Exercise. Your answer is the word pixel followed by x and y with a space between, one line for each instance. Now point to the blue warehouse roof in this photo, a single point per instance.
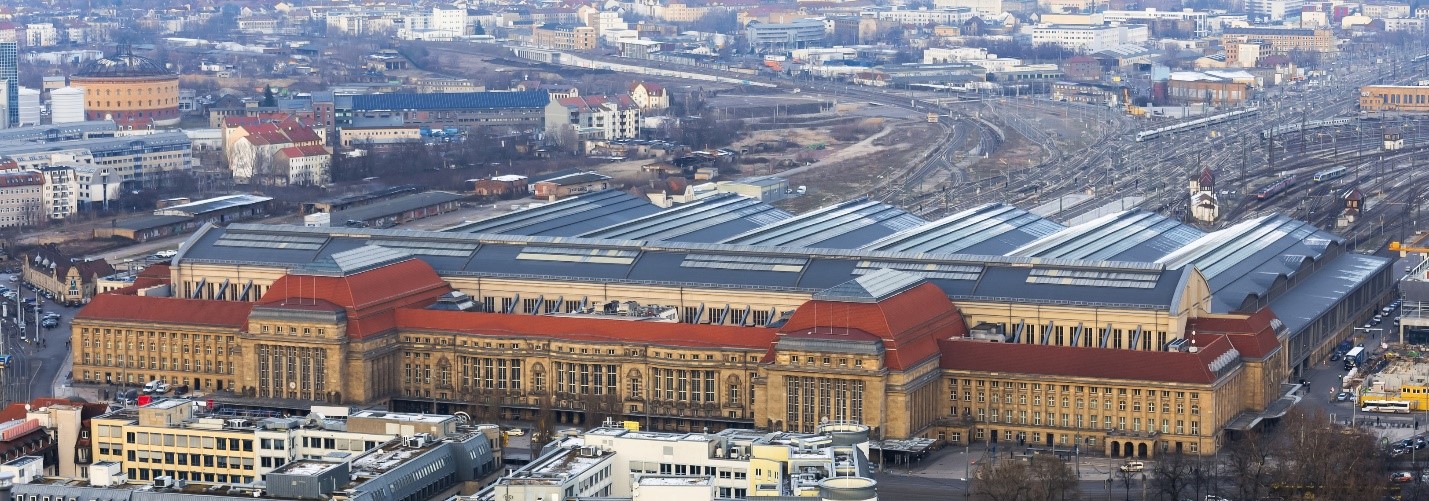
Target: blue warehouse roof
pixel 708 220
pixel 992 229
pixel 848 225
pixel 451 101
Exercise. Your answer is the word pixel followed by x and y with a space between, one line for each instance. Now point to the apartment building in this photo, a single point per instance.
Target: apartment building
pixel 61 192
pixel 564 37
pixel 309 165
pixel 21 198
pixel 1281 41
pixel 1199 20
pixel 595 117
pixel 1089 38
pixel 136 162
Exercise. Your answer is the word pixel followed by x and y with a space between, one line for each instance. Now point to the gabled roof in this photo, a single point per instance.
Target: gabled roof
pixel 1202 367
pixel 368 283
pixel 310 150
pixel 167 310
pixel 909 319
pixel 47 258
pixel 1254 336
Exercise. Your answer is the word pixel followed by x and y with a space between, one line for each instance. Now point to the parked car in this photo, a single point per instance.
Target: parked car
pixel 161 388
pixel 166 253
pixel 50 322
pixel 515 432
pixel 1401 477
pixel 1335 357
pixel 1342 396
pixel 181 390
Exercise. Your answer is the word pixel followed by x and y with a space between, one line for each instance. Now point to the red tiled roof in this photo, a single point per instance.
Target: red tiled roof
pixel 16 411
pixel 910 322
pixel 1253 336
pixel 166 310
pixel 301 134
pixel 1130 365
pixel 155 274
pixel 588 329
pixel 309 150
pixel 369 297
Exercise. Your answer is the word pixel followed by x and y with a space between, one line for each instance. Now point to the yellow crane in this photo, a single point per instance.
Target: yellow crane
pixel 1131 109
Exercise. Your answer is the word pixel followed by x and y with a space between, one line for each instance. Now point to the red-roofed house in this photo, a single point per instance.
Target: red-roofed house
pixel 649 96
pixel 593 117
pixel 253 152
pixel 309 165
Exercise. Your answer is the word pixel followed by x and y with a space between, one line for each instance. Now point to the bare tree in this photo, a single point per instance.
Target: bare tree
pixel 1127 478
pixel 1321 460
pixel 1002 480
pixel 1249 464
pixel 1172 475
pixel 1051 478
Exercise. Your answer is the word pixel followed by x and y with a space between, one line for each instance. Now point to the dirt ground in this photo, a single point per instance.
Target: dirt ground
pixel 899 146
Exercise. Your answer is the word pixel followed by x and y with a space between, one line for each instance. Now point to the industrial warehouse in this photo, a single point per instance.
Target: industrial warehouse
pixel 990 325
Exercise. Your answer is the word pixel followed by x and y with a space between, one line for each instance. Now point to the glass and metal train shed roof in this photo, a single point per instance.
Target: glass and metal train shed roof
pixel 708 220
pixel 847 225
pixel 961 276
pixel 1249 258
pixel 1134 235
pixel 991 229
pixel 567 217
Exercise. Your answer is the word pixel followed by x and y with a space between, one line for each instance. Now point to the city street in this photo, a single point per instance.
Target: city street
pixel 37 367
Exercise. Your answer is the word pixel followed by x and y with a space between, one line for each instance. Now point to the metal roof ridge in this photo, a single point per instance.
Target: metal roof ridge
pixel 647 245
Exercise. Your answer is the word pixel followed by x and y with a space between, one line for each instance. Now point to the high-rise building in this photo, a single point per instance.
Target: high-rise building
pixel 10 72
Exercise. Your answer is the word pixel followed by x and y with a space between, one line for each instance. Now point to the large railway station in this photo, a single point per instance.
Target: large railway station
pixel 727 312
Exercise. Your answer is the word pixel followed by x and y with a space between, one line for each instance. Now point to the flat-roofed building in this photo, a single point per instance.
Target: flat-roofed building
pixel 564 37
pixel 1282 41
pixel 179 447
pixel 1410 98
pixel 455 109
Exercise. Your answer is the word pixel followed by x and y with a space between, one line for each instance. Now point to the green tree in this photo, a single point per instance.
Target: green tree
pixel 269 100
pixel 477 29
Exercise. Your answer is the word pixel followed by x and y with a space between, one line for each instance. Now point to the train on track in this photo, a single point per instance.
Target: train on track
pixel 1335 173
pixel 1277 187
pixel 1194 124
pixel 1299 126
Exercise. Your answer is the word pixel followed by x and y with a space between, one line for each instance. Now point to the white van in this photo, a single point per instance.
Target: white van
pixel 151 387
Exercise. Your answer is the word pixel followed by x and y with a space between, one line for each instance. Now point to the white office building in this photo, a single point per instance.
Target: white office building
pixel 620 463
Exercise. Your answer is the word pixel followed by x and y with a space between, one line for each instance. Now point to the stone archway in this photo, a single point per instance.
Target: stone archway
pixel 1127 449
pixel 1115 448
pixel 1141 450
